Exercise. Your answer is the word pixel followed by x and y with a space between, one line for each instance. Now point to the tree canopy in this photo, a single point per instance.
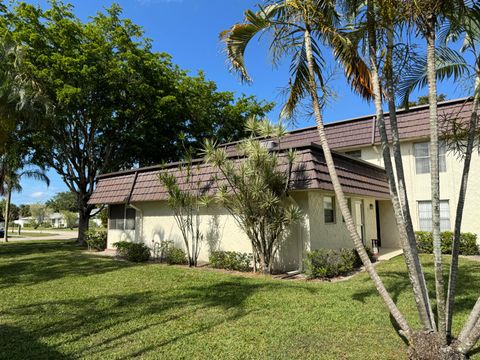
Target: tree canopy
pixel 114 103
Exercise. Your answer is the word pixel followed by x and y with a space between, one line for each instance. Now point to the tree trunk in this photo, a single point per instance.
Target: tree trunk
pixel 435 180
pixel 452 280
pixel 473 319
pixel 394 311
pixel 399 202
pixel 83 224
pixel 7 211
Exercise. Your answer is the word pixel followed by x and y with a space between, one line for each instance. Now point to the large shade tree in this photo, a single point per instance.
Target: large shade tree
pixel 113 99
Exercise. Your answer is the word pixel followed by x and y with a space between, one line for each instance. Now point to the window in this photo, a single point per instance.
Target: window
pixel 422 157
pixel 354 153
pixel 121 218
pixel 425 215
pixel 329 209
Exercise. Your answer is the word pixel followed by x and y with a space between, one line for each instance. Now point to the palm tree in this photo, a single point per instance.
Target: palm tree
pixel 297 28
pixel 14 171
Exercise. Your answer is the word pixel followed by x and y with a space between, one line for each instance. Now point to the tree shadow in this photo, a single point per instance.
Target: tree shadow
pixel 34 262
pixel 18 344
pixel 397 283
pixel 111 320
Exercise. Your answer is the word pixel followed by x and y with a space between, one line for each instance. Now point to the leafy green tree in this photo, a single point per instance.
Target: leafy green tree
pixel 70 217
pixel 63 201
pixel 24 210
pixel 254 189
pixel 39 214
pixel 116 103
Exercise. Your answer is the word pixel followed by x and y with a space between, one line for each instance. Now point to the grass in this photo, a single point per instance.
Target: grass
pixel 59 303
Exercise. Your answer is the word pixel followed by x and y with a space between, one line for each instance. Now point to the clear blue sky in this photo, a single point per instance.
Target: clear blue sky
pixel 188 30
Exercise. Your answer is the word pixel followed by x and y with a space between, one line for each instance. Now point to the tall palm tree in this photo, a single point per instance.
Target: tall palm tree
pixel 298 28
pixel 14 171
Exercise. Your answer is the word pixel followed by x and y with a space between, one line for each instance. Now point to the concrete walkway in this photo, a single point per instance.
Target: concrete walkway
pixel 55 235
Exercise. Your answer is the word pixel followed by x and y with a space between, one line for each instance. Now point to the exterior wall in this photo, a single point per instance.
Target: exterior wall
pixel 155 223
pixel 418 185
pixel 335 235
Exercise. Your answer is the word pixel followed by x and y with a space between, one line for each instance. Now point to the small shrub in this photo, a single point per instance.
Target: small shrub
pixel 134 252
pixel 468 243
pixel 175 256
pixel 230 260
pixel 328 263
pixel 96 239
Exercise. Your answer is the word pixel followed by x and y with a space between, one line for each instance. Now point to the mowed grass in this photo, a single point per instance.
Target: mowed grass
pixel 59 303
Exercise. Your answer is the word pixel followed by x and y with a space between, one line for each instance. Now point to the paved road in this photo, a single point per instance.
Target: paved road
pixel 56 235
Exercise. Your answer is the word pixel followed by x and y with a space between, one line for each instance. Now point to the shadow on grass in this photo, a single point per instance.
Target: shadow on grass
pixel 397 282
pixel 109 321
pixel 17 344
pixel 32 262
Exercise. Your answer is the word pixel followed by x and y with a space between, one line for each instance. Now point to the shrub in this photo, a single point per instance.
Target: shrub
pixel 230 260
pixel 175 256
pixel 134 252
pixel 96 239
pixel 468 243
pixel 328 263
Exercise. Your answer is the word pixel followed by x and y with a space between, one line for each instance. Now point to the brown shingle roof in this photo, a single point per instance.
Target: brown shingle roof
pixel 357 177
pixel 309 172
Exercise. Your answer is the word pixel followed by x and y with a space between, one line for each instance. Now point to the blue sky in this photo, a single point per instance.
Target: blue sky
pixel 188 30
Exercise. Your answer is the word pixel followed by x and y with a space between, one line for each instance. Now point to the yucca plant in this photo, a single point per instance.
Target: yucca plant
pixel 254 187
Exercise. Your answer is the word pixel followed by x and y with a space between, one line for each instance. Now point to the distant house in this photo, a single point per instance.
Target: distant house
pixel 138 210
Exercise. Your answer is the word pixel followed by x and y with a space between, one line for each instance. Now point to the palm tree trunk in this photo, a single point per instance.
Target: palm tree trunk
pixel 398 195
pixel 472 321
pixel 394 311
pixel 452 280
pixel 435 180
pixel 470 341
pixel 7 211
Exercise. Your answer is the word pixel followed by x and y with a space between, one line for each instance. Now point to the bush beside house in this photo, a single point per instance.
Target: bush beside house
pixel 468 243
pixel 230 260
pixel 96 239
pixel 328 263
pixel 133 252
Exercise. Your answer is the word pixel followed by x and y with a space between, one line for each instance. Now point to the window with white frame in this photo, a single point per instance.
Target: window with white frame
pixel 329 209
pixel 425 215
pixel 422 157
pixel 121 218
pixel 354 153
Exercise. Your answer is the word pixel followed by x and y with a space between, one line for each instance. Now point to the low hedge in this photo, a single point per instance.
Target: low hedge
pixel 328 263
pixel 96 239
pixel 134 252
pixel 468 243
pixel 230 260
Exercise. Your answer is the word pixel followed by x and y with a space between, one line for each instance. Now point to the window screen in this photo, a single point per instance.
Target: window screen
pixel 329 209
pixel 130 219
pixel 425 215
pixel 422 157
pixel 116 218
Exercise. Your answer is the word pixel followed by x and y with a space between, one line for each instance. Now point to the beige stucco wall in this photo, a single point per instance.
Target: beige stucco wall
pixel 418 185
pixel 155 223
pixel 335 235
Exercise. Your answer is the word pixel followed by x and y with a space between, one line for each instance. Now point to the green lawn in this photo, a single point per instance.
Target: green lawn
pixel 57 302
pixel 28 234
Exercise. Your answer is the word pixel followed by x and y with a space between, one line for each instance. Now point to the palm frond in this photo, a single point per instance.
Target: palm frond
pixel 449 64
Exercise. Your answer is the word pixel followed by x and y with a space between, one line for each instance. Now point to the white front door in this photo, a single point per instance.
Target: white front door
pixel 359 218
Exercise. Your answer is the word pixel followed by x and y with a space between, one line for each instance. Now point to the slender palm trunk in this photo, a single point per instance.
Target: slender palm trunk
pixel 415 271
pixel 435 180
pixel 394 311
pixel 472 321
pixel 452 280
pixel 7 211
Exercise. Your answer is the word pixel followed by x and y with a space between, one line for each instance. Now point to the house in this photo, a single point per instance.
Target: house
pixel 138 210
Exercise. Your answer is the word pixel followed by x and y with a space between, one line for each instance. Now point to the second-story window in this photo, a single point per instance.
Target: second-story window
pixel 422 157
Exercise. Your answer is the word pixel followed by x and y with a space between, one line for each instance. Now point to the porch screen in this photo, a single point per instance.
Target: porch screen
pixel 130 219
pixel 116 218
pixel 425 215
